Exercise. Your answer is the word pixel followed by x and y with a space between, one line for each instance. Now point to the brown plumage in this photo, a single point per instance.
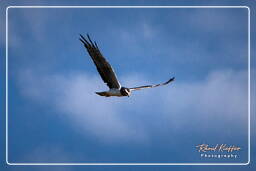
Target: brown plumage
pixel 107 73
pixel 104 68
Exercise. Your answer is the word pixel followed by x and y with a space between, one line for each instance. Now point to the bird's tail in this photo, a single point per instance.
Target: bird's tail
pixel 102 94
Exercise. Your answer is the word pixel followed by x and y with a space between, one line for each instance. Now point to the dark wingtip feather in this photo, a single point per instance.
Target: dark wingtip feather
pixel 90 39
pixel 85 42
pixel 96 44
pixel 88 36
pixel 82 37
pixel 81 40
pixel 170 80
pixel 88 43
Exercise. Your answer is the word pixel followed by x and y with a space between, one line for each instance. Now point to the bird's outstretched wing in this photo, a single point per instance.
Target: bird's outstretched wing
pixel 104 68
pixel 152 86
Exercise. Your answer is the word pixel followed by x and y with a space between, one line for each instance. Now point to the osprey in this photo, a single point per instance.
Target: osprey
pixel 107 73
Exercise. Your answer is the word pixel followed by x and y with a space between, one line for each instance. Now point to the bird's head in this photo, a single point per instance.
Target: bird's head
pixel 125 91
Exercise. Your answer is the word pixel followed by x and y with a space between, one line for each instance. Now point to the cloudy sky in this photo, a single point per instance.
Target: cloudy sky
pixel 55 116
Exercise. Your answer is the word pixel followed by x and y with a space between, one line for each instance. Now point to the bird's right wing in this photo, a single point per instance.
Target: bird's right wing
pixel 104 68
pixel 152 86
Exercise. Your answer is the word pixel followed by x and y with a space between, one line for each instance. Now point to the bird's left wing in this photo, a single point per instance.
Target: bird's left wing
pixel 152 86
pixel 104 68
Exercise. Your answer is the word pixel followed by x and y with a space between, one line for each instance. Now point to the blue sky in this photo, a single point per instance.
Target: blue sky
pixel 55 116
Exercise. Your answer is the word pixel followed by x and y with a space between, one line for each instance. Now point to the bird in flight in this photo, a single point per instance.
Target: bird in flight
pixel 107 73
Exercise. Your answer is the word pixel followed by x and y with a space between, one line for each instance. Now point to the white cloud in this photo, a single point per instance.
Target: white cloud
pixel 143 31
pixel 95 114
pixel 221 97
pixel 74 98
